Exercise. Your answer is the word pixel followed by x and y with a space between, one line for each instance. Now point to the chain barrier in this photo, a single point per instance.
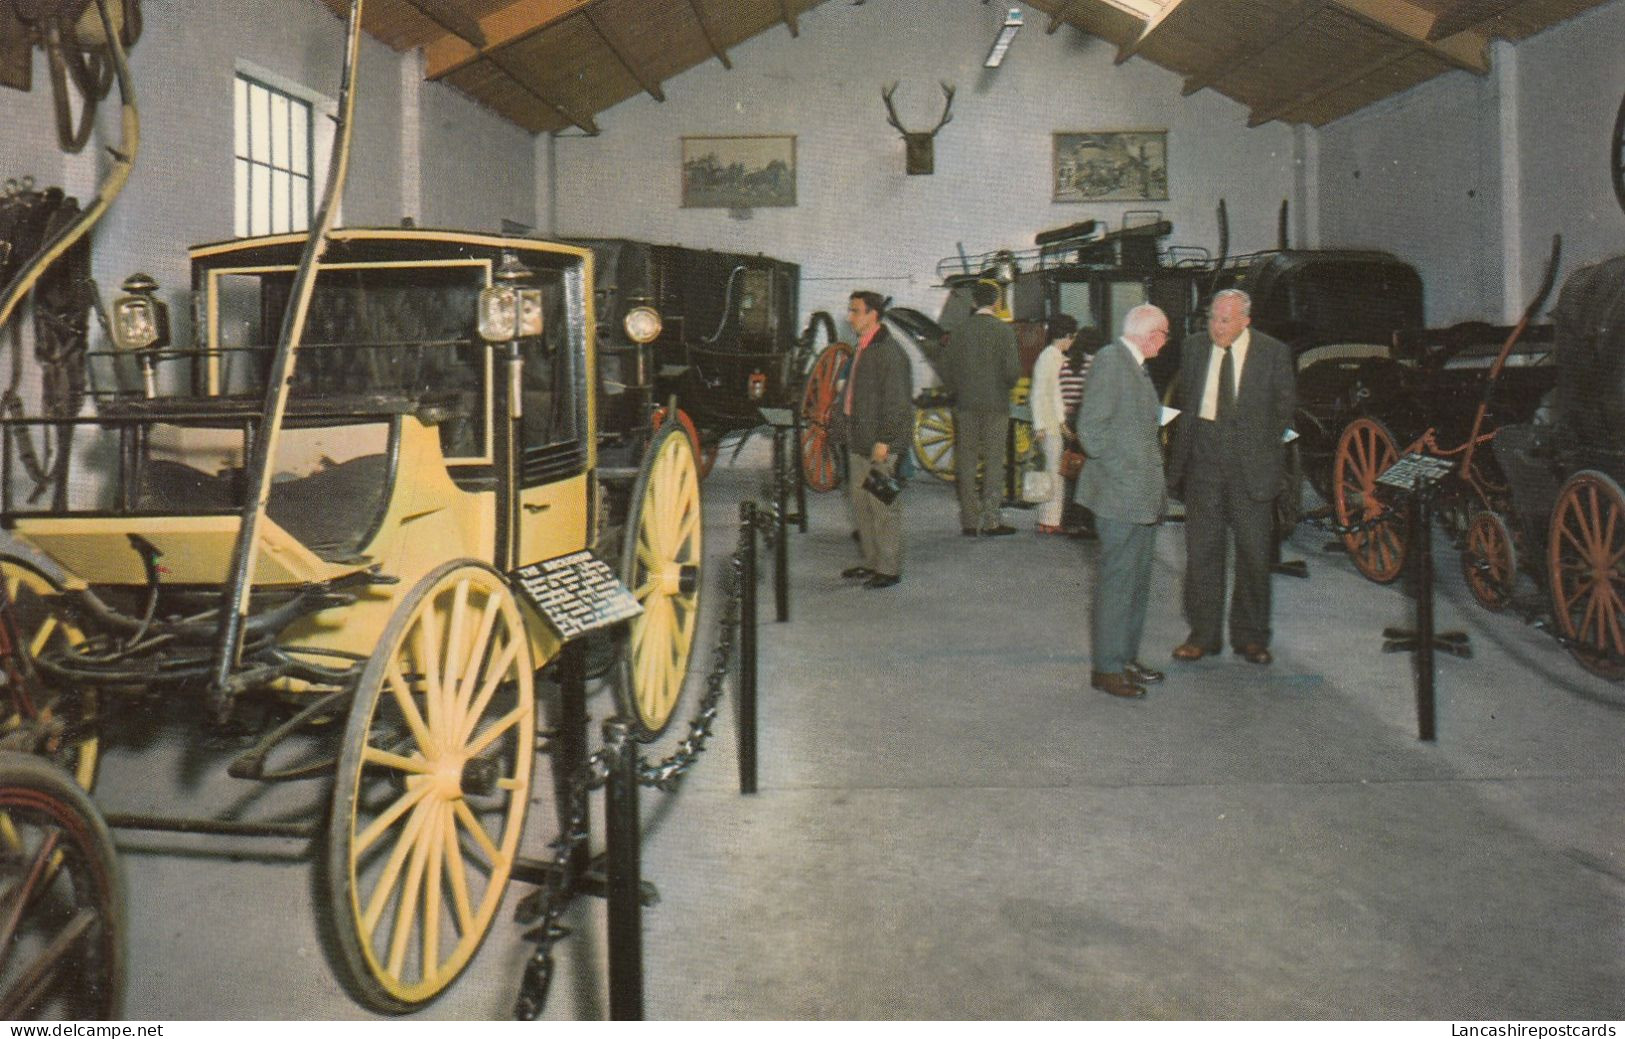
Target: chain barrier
pixel 1331 526
pixel 666 775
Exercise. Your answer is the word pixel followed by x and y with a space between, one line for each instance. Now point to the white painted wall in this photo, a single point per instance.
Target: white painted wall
pixel 1468 177
pixel 860 221
pixel 474 168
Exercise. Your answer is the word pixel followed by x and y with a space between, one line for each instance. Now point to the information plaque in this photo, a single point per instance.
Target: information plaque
pixel 1415 466
pixel 576 594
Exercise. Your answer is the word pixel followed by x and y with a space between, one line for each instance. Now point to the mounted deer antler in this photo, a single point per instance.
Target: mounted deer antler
pixel 920 153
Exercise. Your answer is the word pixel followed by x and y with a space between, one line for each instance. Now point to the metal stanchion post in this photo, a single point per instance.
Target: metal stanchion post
pixel 747 652
pixel 801 484
pixel 624 881
pixel 781 544
pixel 1423 496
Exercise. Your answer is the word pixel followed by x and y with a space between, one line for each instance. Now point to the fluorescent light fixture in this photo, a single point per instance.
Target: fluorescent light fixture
pixel 1007 33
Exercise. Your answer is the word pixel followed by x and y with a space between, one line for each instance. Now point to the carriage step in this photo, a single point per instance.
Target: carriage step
pixel 216 827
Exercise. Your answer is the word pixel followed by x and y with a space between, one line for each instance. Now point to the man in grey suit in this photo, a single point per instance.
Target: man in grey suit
pixel 1122 483
pixel 982 367
pixel 1239 389
pixel 875 420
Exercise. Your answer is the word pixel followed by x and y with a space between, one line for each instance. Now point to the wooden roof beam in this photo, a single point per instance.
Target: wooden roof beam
pixel 501 28
pixel 710 39
pixel 1283 26
pixel 452 19
pixel 1469 14
pixel 1410 24
pixel 789 18
pixel 1157 21
pixel 1058 16
pixel 584 122
pixel 649 87
pixel 1326 88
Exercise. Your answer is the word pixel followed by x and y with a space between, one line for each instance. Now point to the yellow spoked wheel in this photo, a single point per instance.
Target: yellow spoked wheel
pixel 433 781
pixel 39 628
pixel 661 556
pixel 62 928
pixel 934 441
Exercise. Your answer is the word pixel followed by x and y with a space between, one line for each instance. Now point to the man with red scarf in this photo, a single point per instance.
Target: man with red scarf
pixel 875 419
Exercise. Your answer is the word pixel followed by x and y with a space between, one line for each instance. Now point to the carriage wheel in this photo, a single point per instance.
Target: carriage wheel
pixel 1586 564
pixel 61 898
pixel 1489 561
pixel 39 629
pixel 661 555
pixel 433 781
pixel 934 441
pixel 819 464
pixel 706 454
pixel 1364 451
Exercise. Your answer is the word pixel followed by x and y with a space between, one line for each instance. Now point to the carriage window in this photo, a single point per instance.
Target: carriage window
pixel 275 145
pixel 548 374
pixel 376 337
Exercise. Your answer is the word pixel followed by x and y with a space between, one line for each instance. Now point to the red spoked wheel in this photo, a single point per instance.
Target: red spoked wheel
pixel 1364 451
pixel 1586 566
pixel 820 467
pixel 1489 561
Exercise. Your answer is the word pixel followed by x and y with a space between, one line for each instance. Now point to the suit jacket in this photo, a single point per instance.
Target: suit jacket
pixel 983 364
pixel 1117 424
pixel 1264 404
pixel 882 386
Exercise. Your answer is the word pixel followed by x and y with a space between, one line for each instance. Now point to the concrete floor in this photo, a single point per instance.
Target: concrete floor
pixel 951 825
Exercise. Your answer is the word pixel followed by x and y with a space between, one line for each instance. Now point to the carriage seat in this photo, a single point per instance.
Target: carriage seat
pixel 333 512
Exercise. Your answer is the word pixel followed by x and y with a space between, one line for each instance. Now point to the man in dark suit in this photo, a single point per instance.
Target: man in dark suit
pixel 875 419
pixel 1122 482
pixel 1239 389
pixel 982 368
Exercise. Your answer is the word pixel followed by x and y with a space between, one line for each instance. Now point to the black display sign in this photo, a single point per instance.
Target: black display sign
pixel 576 594
pixel 1415 466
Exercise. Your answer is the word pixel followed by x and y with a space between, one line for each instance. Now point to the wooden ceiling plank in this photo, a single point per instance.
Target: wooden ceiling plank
pixel 1281 28
pixel 584 122
pixel 1157 21
pixel 452 19
pixel 790 18
pixel 710 38
pixel 1469 14
pixel 649 86
pixel 502 27
pixel 1407 22
pixel 1058 17
pixel 1303 99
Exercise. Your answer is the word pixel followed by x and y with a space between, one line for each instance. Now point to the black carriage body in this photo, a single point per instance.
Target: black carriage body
pixel 727 343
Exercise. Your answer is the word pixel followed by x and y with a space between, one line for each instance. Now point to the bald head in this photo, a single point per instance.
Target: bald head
pixel 1146 326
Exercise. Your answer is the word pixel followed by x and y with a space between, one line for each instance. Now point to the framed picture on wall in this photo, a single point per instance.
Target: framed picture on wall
pixel 1111 166
pixel 739 172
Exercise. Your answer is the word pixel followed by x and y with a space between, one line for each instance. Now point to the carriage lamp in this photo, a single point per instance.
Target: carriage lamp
pixel 642 324
pixel 509 310
pixel 756 386
pixel 141 325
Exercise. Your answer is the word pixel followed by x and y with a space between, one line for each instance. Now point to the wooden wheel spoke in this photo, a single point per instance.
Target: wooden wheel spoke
pixel 385 885
pixel 416 765
pixel 471 823
pixel 456 874
pixel 495 730
pixel 426 642
pixel 476 657
pixel 406 907
pixel 500 667
pixel 19 898
pixel 380 825
pixel 409 708
pixel 435 834
pixel 41 974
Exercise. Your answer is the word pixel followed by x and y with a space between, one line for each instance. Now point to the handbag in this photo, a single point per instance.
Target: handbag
pixel 883 486
pixel 1071 463
pixel 1037 487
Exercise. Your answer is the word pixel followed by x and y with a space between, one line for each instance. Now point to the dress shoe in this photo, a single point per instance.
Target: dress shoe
pixel 1142 674
pixel 857 571
pixel 1116 683
pixel 1188 651
pixel 969 532
pixel 1082 534
pixel 1002 530
pixel 1049 528
pixel 882 581
pixel 1254 653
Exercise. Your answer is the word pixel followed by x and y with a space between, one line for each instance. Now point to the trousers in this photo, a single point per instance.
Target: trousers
pixel 1122 592
pixel 880 526
pixel 979 443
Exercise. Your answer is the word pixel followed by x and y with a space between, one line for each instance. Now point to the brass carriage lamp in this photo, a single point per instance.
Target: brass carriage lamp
pixel 642 324
pixel 141 326
pixel 509 309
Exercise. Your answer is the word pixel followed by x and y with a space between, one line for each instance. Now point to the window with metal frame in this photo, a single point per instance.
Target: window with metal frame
pixel 273 159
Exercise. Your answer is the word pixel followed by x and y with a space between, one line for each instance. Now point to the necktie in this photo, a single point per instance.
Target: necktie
pixel 1227 387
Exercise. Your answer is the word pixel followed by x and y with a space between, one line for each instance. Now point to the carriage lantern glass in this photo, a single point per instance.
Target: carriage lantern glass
pixel 642 324
pixel 509 310
pixel 140 320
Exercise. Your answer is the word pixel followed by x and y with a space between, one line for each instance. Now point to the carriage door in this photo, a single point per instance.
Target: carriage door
pixel 552 459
